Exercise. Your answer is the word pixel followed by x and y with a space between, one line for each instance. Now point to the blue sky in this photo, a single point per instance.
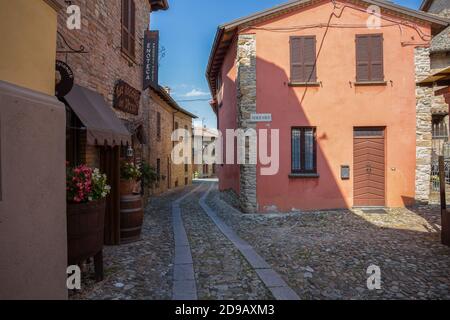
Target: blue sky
pixel 187 31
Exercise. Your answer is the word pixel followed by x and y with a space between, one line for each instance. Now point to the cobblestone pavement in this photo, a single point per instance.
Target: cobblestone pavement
pixel 142 270
pixel 321 255
pixel 220 270
pixel 325 255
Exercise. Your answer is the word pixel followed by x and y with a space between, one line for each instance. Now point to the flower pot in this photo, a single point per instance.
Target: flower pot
pixel 127 187
pixel 85 233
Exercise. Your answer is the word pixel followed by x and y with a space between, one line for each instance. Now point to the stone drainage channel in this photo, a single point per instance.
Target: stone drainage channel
pixel 184 280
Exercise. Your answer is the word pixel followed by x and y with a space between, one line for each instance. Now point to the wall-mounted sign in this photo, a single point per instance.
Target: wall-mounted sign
pixel 151 58
pixel 126 98
pixel 261 117
pixel 64 79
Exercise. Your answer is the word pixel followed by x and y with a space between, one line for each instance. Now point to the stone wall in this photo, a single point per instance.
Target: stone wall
pixel 246 92
pixel 424 129
pixel 441 7
pixel 161 147
pixel 180 176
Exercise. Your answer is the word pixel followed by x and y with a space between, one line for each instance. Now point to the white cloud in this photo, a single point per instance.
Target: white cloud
pixel 196 93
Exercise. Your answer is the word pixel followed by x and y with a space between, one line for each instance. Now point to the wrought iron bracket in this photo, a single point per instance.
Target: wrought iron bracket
pixel 69 49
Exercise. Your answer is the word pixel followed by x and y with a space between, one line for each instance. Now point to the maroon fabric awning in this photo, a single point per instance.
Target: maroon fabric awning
pixel 102 124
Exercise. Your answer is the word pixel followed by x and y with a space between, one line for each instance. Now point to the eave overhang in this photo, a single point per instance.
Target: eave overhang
pixel 159 5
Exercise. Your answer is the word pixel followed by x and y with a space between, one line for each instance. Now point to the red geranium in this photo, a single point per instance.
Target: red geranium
pixel 79 184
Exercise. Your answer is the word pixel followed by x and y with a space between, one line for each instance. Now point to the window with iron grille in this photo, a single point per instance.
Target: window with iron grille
pixel 304 150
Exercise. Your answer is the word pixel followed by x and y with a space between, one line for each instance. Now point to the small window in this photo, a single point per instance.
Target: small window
pixel 158 126
pixel 369 132
pixel 303 59
pixel 369 58
pixel 158 168
pixel 304 150
pixel 129 28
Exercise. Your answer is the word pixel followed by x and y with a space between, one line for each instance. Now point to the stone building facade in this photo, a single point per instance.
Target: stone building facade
pixel 165 115
pixel 432 110
pixel 205 143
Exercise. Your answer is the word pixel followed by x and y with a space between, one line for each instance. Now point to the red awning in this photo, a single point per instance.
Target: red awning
pixel 102 125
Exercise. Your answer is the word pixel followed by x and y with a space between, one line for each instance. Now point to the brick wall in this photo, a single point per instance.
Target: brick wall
pixel 181 176
pixel 161 148
pixel 105 64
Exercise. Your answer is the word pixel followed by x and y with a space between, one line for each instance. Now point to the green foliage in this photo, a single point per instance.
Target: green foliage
pixel 149 175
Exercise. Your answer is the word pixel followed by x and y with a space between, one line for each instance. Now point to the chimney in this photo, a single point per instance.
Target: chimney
pixel 167 89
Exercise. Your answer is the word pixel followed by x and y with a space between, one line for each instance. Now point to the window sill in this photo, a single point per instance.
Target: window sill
pixel 128 57
pixel 304 176
pixel 370 83
pixel 304 84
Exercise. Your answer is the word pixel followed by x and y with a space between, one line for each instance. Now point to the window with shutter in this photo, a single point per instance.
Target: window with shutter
pixel 129 27
pixel 369 58
pixel 303 59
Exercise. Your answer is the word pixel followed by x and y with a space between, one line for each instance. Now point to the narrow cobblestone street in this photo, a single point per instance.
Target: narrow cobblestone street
pixel 320 255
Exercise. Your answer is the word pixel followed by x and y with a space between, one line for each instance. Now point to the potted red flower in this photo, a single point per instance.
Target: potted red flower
pixel 86 193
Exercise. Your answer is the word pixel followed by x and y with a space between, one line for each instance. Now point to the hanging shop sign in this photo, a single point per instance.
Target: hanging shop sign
pixel 126 98
pixel 64 79
pixel 151 58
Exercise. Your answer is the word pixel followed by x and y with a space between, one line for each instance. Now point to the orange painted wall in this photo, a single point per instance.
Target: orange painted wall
pixel 227 98
pixel 335 108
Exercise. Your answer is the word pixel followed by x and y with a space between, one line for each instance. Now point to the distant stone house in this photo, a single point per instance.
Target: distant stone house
pixel 165 116
pixel 204 153
pixel 435 117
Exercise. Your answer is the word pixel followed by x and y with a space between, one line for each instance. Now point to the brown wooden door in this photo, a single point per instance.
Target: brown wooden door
pixel 369 167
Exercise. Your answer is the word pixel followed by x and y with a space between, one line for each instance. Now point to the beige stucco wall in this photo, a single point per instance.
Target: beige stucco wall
pixel 28 31
pixel 33 240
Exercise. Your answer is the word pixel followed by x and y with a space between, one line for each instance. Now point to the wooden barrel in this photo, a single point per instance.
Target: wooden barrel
pixel 85 229
pixel 131 218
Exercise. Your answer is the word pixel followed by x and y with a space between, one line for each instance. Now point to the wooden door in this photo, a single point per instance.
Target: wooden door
pixel 110 165
pixel 369 167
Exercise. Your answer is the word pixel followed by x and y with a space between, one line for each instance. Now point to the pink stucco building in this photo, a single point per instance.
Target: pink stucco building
pixel 340 86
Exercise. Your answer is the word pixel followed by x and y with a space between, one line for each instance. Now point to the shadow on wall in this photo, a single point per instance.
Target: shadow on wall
pixel 331 113
pixel 286 104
